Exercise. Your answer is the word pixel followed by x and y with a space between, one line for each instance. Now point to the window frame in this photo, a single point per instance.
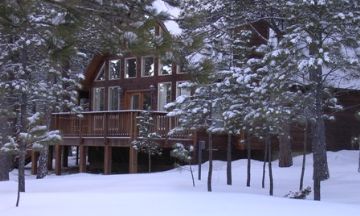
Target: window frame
pixel 178 70
pixel 158 94
pixel 177 88
pixel 98 74
pixel 109 72
pixel 109 98
pixel 143 66
pixel 94 108
pixel 125 69
pixel 160 69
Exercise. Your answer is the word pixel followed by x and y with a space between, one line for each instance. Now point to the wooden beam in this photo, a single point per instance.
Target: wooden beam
pixel 82 158
pixel 34 162
pixel 50 157
pixel 107 159
pixel 133 163
pixel 58 153
pixel 65 157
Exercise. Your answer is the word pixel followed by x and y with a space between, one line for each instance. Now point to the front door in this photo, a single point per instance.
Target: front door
pixel 138 100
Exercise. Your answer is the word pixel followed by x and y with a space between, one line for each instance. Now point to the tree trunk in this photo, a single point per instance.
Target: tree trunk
pixel 321 171
pixel 271 182
pixel 192 174
pixel 43 162
pixel 210 163
pixel 318 139
pixel 248 148
pixel 359 155
pixel 285 157
pixel 4 166
pixel 149 160
pixel 22 144
pixel 228 157
pixel 304 156
pixel 264 165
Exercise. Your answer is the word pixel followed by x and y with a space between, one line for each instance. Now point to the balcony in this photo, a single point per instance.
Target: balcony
pixel 112 125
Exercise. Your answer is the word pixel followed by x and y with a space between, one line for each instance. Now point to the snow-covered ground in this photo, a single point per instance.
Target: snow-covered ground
pixel 171 192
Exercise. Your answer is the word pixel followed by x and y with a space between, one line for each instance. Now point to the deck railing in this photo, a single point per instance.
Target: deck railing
pixel 111 124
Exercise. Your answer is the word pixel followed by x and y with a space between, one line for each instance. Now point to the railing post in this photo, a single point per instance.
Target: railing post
pixel 132 152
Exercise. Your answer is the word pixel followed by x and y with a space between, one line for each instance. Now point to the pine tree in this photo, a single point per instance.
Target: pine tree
pixel 147 139
pixel 183 154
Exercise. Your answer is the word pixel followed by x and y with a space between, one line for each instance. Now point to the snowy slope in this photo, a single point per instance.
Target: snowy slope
pixel 171 192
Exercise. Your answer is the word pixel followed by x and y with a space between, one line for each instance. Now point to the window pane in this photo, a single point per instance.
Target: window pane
pixel 114 98
pixel 148 66
pixel 166 68
pixel 99 96
pixel 135 102
pixel 114 69
pixel 180 68
pixel 182 91
pixel 164 95
pixel 147 101
pixel 130 68
pixel 101 74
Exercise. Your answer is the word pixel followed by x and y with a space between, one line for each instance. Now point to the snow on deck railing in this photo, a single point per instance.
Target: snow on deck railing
pixel 107 111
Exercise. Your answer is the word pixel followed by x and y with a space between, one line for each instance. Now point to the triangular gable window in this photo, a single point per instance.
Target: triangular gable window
pixel 101 74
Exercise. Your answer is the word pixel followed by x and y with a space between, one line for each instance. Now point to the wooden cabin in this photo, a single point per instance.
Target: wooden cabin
pixel 115 91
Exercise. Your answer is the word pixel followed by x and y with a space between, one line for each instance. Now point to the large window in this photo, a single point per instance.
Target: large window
pixel 180 69
pixel 181 89
pixel 148 66
pixel 99 99
pixel 114 98
pixel 164 95
pixel 101 74
pixel 130 68
pixel 165 67
pixel 114 69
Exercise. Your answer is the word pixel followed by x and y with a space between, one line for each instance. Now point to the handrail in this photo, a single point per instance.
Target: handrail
pixel 109 124
pixel 108 111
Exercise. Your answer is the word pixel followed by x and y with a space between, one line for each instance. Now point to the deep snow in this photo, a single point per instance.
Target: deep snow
pixel 171 192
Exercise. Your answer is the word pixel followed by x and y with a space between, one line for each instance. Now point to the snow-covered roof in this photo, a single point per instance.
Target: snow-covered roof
pixel 174 13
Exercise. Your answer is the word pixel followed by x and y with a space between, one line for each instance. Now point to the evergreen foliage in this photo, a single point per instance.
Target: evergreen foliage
pixel 266 80
pixel 146 141
pixel 183 154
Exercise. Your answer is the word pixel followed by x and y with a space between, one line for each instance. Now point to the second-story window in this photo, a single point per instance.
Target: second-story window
pixel 114 69
pixel 180 69
pixel 114 98
pixel 164 95
pixel 130 68
pixel 148 66
pixel 99 99
pixel 165 67
pixel 181 89
pixel 101 74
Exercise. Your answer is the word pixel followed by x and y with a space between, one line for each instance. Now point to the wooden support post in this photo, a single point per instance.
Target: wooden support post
pixel 50 158
pixel 65 156
pixel 133 163
pixel 133 157
pixel 107 159
pixel 58 151
pixel 82 158
pixel 34 162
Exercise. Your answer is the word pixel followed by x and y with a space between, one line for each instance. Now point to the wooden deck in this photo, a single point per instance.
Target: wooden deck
pixel 116 126
pixel 110 129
